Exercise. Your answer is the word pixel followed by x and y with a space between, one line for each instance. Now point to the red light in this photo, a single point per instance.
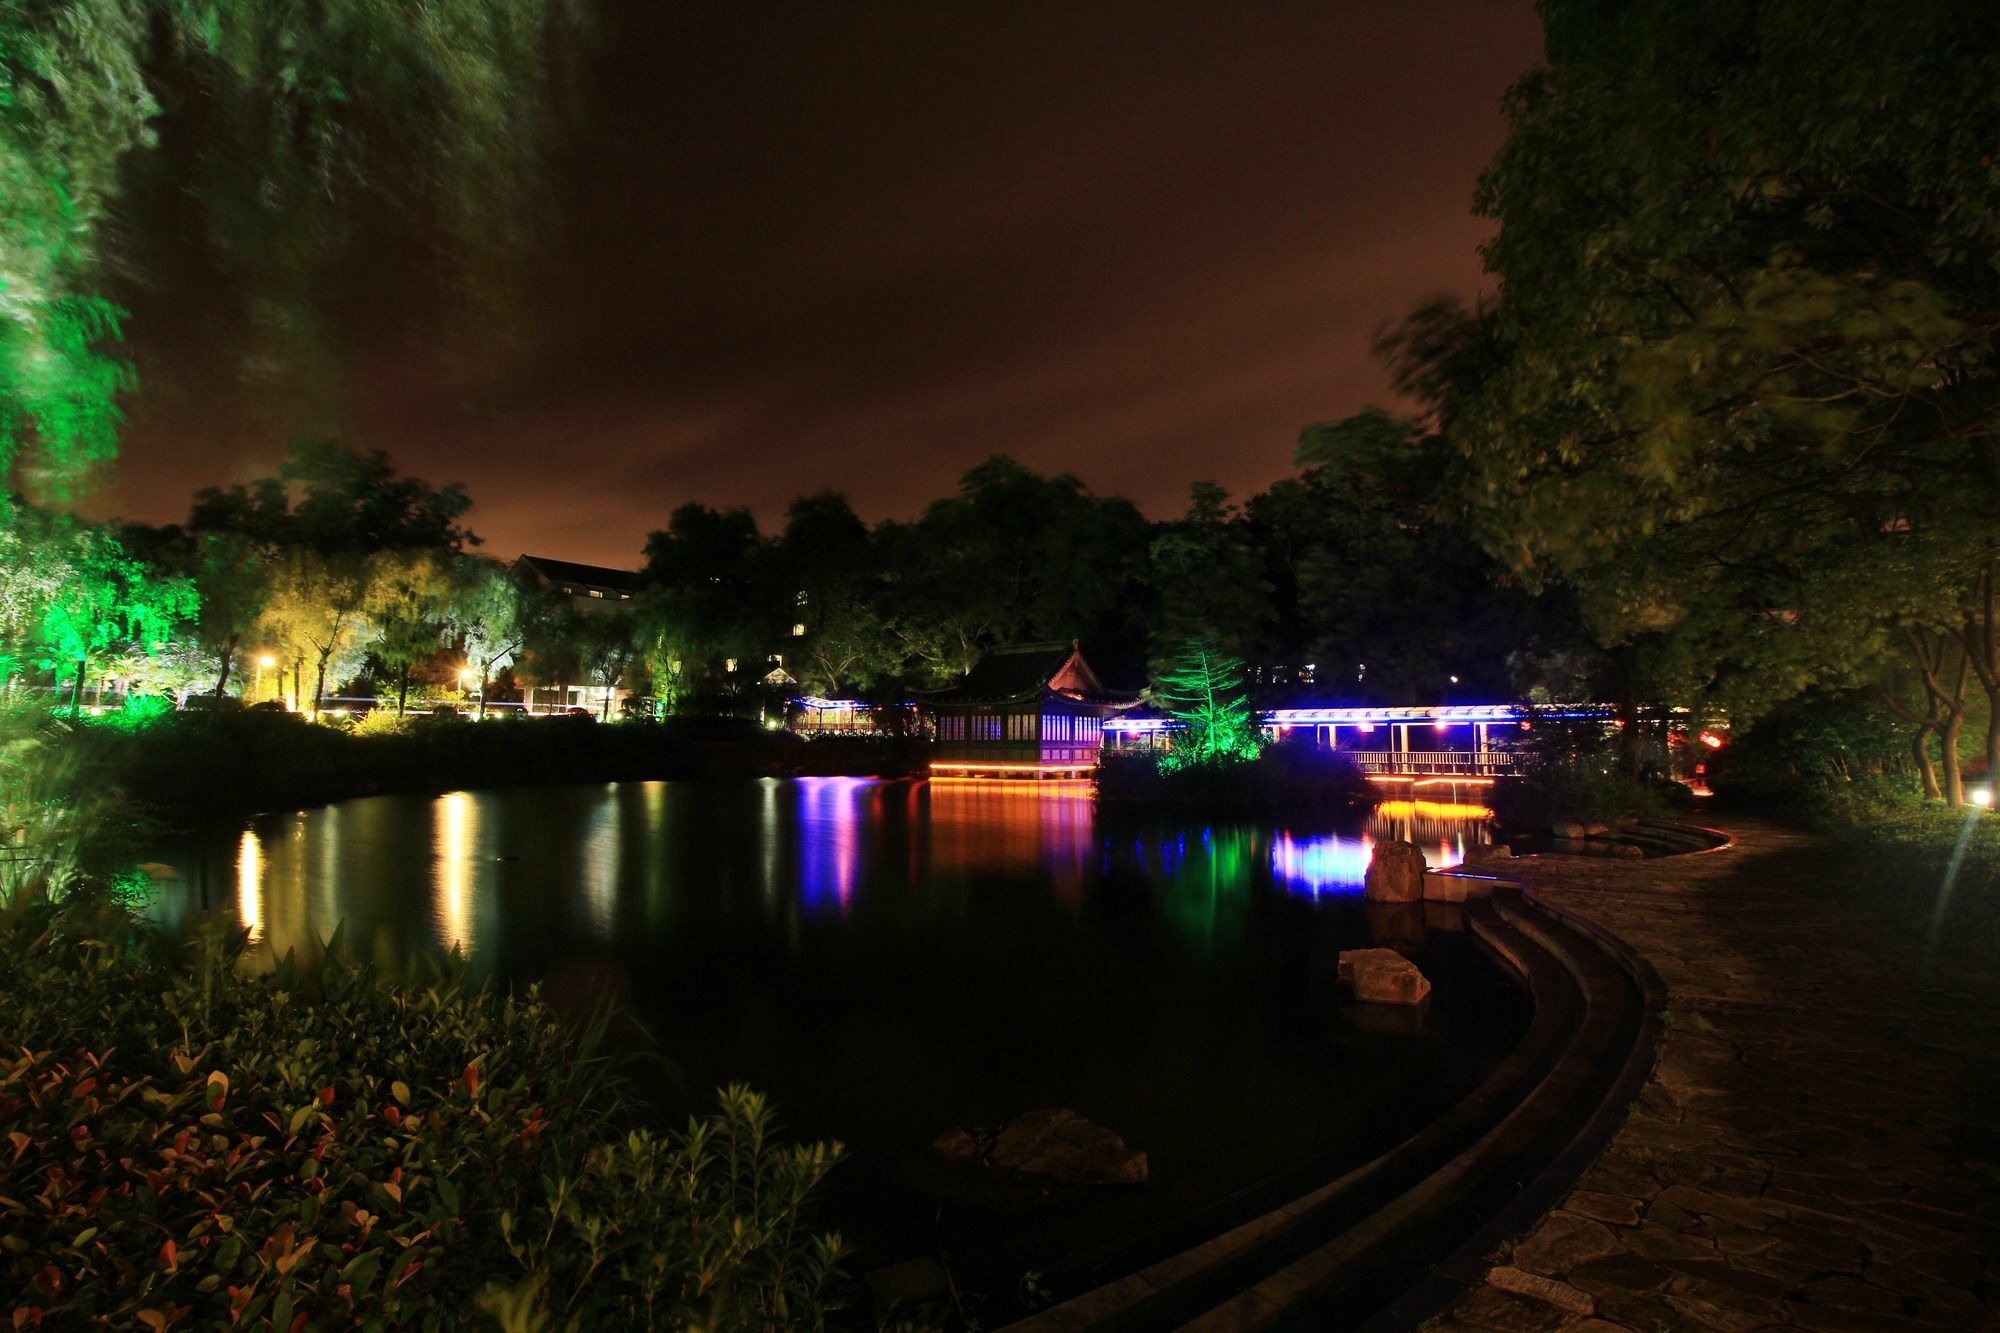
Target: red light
pixel 1711 740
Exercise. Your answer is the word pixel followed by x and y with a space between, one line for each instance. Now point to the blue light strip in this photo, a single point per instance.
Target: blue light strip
pixel 1433 714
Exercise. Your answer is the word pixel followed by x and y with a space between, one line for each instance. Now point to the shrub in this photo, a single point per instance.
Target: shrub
pixel 60 822
pixel 1578 773
pixel 384 722
pixel 183 1143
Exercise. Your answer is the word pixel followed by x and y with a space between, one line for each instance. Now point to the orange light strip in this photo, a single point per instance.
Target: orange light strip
pixel 1456 782
pixel 1011 768
pixel 1390 777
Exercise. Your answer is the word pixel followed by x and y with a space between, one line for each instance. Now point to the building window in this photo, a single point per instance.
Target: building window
pixel 597 592
pixel 729 664
pixel 798 630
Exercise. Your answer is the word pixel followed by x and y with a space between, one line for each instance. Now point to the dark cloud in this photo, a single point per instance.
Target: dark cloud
pixel 794 247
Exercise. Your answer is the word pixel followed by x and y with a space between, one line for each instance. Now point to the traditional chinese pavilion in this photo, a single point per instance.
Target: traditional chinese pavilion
pixel 1032 711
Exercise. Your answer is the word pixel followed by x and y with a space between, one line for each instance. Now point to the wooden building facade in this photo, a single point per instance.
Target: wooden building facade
pixel 1028 712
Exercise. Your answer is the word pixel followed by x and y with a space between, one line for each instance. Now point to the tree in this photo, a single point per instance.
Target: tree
pixel 333 498
pixel 232 574
pixel 841 639
pixel 1208 691
pixel 1208 577
pixel 109 604
pixel 319 609
pixel 1742 393
pixel 710 593
pixel 1014 556
pixel 34 568
pixel 309 101
pixel 411 603
pixel 490 617
pixel 609 648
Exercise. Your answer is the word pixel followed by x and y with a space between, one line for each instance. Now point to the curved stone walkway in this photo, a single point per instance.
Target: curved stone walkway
pixel 1819 1145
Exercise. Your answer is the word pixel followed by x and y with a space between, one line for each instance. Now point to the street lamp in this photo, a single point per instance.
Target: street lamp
pixel 263 662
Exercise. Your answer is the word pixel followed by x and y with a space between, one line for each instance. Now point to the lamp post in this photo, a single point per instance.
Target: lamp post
pixel 265 661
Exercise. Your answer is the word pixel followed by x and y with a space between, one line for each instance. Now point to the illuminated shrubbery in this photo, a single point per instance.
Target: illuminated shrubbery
pixel 196 1146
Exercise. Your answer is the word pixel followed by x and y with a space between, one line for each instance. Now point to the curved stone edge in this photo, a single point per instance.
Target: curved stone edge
pixel 1468 1267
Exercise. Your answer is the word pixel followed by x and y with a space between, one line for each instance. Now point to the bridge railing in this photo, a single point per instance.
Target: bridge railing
pixel 1438 763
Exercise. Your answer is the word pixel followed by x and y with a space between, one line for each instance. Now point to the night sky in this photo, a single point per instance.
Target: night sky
pixel 793 247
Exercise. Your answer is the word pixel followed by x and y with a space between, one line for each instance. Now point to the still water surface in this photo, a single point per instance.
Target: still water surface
pixel 891 959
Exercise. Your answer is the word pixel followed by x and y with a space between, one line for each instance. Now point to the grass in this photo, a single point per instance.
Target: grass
pixel 1929 871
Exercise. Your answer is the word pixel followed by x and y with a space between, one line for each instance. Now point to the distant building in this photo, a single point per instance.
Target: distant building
pixel 1032 711
pixel 595 587
pixel 591 589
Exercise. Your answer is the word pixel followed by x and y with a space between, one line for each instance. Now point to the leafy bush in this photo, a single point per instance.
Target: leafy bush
pixel 59 820
pixel 184 1143
pixel 384 722
pixel 1829 761
pixel 1578 773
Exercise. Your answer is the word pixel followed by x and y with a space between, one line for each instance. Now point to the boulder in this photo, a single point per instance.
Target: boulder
pixel 1063 1148
pixel 1570 829
pixel 1395 873
pixel 1596 830
pixel 1382 976
pixel 1627 849
pixel 1488 851
pixel 956 1147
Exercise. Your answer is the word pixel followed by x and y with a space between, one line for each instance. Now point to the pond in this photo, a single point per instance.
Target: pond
pixel 892 959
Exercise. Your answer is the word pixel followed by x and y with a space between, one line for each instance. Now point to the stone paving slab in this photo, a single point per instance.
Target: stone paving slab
pixel 1819 1144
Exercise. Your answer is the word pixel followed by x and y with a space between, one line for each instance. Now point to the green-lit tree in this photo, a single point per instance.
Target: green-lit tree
pixel 109 604
pixel 1208 690
pixel 440 105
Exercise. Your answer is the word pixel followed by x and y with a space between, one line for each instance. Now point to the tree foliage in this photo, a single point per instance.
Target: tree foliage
pixel 1738 390
pixel 307 104
pixel 1208 691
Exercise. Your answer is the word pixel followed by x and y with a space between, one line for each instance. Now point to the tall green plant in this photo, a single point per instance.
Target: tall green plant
pixel 109 603
pixel 1208 690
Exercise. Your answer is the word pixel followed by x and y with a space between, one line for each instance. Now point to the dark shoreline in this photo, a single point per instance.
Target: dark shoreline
pixel 195 772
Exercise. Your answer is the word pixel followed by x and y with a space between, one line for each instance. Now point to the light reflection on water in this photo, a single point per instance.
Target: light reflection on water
pixel 623 855
pixel 889 959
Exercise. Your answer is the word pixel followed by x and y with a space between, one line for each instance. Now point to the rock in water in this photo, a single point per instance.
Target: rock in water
pixel 957 1147
pixel 1395 873
pixel 1382 976
pixel 1065 1149
pixel 1488 851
